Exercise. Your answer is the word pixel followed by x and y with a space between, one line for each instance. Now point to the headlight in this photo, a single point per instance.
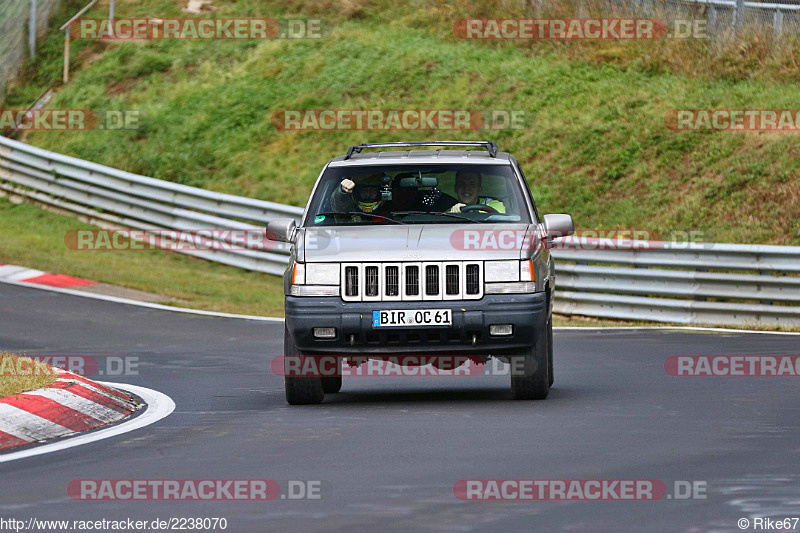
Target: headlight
pixel 501 271
pixel 315 279
pixel 322 273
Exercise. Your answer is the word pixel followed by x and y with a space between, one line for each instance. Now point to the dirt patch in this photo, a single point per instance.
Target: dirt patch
pixel 122 87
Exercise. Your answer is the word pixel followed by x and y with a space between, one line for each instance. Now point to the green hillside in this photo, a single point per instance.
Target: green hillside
pixel 598 146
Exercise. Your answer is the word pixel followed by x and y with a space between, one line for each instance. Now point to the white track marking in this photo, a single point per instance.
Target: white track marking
pixel 159 406
pixel 18 273
pixel 129 301
pixel 32 426
pixel 79 403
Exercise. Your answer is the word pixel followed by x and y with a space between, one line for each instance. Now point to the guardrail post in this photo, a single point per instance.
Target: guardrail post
pixel 111 19
pixel 711 19
pixel 65 27
pixel 32 29
pixel 66 55
pixel 777 23
pixel 739 17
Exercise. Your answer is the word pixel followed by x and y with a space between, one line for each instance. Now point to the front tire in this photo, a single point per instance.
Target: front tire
pixel 530 376
pixel 300 390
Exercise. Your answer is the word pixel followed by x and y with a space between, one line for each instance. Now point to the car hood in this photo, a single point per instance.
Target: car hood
pixel 430 242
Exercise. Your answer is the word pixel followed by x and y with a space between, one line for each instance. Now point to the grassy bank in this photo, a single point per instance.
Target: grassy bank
pixel 598 146
pixel 22 374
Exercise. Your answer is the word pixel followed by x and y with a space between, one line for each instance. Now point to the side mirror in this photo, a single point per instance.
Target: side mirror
pixel 556 226
pixel 282 229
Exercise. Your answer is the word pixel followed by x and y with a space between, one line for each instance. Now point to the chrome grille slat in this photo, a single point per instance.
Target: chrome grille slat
pixel 428 281
pixel 371 281
pixel 472 285
pixel 412 280
pixel 451 279
pixel 432 280
pixel 392 281
pixel 351 281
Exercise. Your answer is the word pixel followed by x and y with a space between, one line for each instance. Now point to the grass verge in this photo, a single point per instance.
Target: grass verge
pixel 34 238
pixel 22 374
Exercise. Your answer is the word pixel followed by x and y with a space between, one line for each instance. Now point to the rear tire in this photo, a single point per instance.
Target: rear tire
pixel 530 379
pixel 300 390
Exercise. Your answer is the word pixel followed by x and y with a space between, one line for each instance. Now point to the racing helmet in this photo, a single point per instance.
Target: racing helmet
pixel 367 192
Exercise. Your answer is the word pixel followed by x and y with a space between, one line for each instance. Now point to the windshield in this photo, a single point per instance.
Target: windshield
pixel 417 194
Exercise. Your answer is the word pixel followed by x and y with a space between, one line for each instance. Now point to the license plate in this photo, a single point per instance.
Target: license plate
pixel 412 317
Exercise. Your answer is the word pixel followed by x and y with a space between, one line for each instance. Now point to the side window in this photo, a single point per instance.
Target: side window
pixel 527 191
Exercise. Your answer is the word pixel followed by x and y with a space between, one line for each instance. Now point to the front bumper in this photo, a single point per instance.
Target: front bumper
pixel 469 333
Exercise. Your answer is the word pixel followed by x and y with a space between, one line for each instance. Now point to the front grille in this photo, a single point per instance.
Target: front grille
pixel 392 281
pixel 371 281
pixel 351 281
pixel 451 280
pixel 451 283
pixel 432 280
pixel 412 280
pixel 473 276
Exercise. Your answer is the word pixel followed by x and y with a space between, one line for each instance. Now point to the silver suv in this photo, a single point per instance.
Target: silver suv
pixel 417 251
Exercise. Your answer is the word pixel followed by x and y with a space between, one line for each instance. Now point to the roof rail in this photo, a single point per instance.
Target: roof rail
pixel 491 146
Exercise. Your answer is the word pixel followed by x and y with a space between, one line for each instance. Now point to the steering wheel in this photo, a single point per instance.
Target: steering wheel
pixel 479 207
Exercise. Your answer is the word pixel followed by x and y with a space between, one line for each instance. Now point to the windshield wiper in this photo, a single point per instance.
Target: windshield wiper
pixel 359 213
pixel 451 215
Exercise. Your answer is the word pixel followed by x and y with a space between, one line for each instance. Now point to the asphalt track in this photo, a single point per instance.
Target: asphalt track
pixel 391 449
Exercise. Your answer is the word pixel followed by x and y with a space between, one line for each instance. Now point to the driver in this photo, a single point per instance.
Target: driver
pixel 468 188
pixel 363 195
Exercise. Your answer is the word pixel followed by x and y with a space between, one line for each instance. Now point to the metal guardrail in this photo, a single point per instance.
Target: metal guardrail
pixel 115 198
pixel 691 283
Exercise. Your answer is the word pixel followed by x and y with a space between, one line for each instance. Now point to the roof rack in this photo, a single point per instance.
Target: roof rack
pixel 491 146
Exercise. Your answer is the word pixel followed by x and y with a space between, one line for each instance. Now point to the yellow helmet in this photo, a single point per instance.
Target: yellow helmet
pixel 367 192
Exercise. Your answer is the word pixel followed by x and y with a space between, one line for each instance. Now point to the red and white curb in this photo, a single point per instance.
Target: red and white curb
pixel 69 405
pixel 39 277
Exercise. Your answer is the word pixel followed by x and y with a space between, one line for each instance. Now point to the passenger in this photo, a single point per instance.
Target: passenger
pixel 468 188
